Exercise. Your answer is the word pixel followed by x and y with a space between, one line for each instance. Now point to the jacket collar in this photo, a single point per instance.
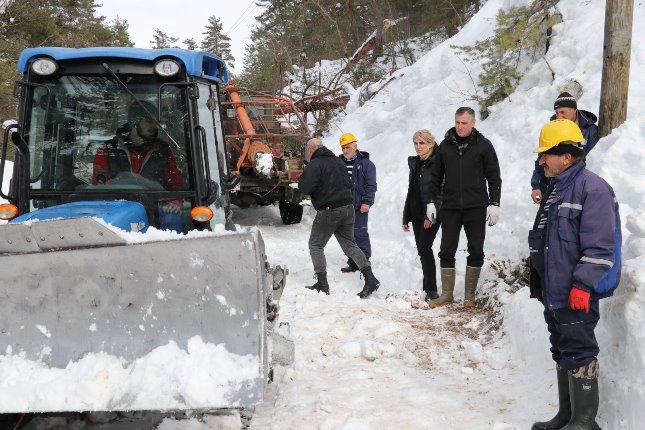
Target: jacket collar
pixel 452 137
pixel 564 179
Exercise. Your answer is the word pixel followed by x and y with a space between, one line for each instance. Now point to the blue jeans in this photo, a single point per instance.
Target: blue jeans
pixel 340 223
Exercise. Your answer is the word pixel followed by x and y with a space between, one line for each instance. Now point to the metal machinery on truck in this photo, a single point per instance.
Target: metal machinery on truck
pixel 266 136
pixel 127 138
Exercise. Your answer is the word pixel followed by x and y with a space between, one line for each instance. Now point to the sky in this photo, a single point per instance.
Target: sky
pixel 184 20
pixel 381 363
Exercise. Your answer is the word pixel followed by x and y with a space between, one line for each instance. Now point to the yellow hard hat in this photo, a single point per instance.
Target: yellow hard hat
pixel 558 131
pixel 346 139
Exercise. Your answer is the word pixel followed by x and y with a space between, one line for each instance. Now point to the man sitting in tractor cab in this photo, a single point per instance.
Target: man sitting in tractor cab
pixel 136 156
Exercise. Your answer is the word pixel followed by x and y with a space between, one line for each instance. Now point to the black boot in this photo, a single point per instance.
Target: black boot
pixel 564 413
pixel 583 386
pixel 321 284
pixel 371 283
pixel 429 276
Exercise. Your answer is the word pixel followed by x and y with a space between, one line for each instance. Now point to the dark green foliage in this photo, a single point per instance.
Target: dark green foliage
pixel 68 23
pixel 216 42
pixel 190 43
pixel 303 32
pixel 520 38
pixel 162 40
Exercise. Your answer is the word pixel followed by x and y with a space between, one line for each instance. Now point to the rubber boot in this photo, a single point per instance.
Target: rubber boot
pixel 564 412
pixel 470 285
pixel 583 387
pixel 321 284
pixel 447 288
pixel 371 283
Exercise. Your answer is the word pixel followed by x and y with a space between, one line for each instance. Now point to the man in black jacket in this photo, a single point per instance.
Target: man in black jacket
pixel 326 180
pixel 467 163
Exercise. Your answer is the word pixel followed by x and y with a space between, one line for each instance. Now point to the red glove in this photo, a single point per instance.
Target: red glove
pixel 579 299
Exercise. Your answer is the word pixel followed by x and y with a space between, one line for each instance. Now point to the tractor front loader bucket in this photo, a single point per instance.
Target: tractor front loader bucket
pixel 61 306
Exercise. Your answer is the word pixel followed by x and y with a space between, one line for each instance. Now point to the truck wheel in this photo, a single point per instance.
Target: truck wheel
pixel 291 213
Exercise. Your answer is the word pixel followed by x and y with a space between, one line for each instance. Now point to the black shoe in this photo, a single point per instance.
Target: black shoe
pixel 321 285
pixel 349 269
pixel 371 283
pixel 319 288
pixel 432 295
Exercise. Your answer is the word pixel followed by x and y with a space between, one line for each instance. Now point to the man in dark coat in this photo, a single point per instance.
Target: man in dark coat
pixel 362 173
pixel 466 163
pixel 325 179
pixel 566 107
pixel 575 249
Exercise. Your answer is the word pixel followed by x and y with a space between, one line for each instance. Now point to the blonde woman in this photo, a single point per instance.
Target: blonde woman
pixel 414 211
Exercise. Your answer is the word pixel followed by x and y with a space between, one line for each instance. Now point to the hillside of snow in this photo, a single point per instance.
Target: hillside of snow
pixel 379 363
pixel 426 95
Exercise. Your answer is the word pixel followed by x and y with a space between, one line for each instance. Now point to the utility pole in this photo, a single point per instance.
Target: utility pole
pixel 614 88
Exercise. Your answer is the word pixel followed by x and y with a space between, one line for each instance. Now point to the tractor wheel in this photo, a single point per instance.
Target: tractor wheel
pixel 291 213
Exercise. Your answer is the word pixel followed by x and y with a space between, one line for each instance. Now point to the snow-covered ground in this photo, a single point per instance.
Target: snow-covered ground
pixel 379 363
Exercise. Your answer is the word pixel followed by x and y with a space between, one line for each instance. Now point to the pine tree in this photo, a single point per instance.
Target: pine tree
pixel 190 43
pixel 162 40
pixel 216 42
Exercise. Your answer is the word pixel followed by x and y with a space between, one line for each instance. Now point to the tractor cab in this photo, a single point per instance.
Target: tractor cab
pixel 122 124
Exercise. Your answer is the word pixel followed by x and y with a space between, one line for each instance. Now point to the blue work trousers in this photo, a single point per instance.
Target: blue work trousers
pixel 361 236
pixel 572 337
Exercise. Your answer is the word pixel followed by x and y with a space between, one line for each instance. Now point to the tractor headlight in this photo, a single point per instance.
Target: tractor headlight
pixel 166 68
pixel 8 211
pixel 201 214
pixel 44 66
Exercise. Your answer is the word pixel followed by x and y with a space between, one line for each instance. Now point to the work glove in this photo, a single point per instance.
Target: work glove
pixel 431 212
pixel 579 299
pixel 171 207
pixel 293 185
pixel 492 215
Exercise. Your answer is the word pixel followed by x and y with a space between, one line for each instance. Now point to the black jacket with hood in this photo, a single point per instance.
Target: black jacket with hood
pixel 465 173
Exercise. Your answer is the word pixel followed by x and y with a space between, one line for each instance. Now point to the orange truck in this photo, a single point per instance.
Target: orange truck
pixel 266 137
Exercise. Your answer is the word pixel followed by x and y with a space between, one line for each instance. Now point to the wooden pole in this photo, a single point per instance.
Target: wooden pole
pixel 614 88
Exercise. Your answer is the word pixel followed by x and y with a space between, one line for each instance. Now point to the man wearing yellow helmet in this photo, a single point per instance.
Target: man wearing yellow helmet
pixel 362 173
pixel 575 261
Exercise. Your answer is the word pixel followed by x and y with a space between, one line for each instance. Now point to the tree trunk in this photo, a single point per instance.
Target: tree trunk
pixel 615 69
pixel 352 24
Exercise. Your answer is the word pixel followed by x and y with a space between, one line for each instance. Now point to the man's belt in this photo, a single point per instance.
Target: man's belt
pixel 336 204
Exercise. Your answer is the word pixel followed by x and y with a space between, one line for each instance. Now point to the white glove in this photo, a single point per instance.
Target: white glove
pixel 431 212
pixel 171 207
pixel 294 185
pixel 492 215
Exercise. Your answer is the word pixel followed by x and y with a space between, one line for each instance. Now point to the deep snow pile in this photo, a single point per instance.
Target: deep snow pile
pixel 427 94
pixel 374 364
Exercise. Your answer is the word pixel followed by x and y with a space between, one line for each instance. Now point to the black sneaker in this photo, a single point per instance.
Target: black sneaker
pixel 349 269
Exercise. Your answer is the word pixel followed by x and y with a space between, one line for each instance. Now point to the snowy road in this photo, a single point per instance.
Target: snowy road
pixel 379 363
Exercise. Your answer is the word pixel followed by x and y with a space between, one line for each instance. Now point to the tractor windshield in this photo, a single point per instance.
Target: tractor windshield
pixel 88 133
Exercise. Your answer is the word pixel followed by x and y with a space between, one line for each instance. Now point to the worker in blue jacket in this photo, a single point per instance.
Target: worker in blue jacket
pixel 566 107
pixel 575 247
pixel 362 173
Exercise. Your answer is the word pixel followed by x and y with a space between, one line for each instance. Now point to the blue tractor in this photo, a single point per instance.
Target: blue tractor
pixel 119 237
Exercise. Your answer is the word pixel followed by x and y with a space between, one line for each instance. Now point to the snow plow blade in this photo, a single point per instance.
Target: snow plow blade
pixel 84 291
